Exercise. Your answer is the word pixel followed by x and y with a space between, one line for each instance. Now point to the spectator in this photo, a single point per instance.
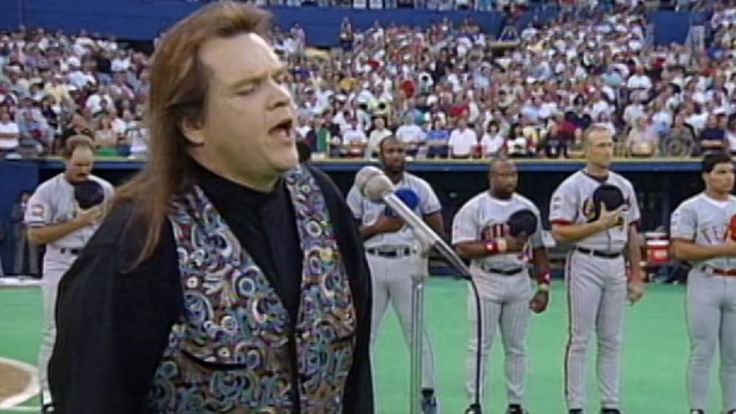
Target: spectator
pixel 9 134
pixel 354 139
pixel 437 138
pixel 463 140
pixel 731 134
pixel 26 254
pixel 106 139
pixel 411 135
pixel 376 136
pixel 680 140
pixel 712 137
pixel 642 140
pixel 493 143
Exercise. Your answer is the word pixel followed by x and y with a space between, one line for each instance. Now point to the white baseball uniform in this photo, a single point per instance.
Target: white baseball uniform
pixel 393 258
pixel 504 287
pixel 595 275
pixel 711 297
pixel 53 202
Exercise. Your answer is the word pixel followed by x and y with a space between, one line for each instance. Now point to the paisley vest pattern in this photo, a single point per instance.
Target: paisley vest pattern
pixel 229 353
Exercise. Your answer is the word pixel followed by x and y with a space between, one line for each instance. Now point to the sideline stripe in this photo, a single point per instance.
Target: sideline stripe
pixel 31 389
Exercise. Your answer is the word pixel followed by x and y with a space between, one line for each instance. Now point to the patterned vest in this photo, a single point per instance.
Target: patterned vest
pixel 229 352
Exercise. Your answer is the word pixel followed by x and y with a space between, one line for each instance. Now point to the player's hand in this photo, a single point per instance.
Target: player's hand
pixel 539 302
pixel 729 247
pixel 515 244
pixel 608 219
pixel 92 215
pixel 636 289
pixel 385 224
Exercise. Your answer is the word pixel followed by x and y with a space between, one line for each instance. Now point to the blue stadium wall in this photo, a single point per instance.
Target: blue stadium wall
pixel 145 19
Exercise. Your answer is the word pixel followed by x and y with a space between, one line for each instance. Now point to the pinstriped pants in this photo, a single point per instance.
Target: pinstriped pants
pixel 596 301
pixel 505 307
pixel 711 314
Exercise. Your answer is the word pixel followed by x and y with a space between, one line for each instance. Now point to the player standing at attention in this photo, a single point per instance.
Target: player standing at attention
pixel 486 231
pixel 596 211
pixel 56 218
pixel 703 229
pixel 394 255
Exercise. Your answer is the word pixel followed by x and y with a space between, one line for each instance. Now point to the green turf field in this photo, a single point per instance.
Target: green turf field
pixel 653 374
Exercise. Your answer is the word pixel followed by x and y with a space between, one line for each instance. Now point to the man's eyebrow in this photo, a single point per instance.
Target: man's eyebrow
pixel 260 75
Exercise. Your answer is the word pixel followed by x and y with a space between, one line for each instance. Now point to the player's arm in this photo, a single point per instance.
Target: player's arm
pixel 565 232
pixel 480 249
pixel 382 225
pixel 683 228
pixel 434 221
pixel 634 254
pixel 53 232
pixel 540 259
pixel 688 250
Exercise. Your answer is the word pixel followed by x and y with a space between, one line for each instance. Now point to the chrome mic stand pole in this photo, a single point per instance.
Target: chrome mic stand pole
pixel 417 330
pixel 417 323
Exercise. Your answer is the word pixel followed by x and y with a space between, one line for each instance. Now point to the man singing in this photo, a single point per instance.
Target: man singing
pixel 227 279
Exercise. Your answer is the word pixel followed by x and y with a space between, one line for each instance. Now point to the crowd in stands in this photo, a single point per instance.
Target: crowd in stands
pixel 446 91
pixel 453 91
pixel 53 86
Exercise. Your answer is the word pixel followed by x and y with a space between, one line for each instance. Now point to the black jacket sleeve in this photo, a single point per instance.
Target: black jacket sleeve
pixel 113 324
pixel 358 398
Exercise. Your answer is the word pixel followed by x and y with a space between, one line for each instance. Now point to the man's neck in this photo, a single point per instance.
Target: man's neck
pixel 501 196
pixel 716 195
pixel 261 183
pixel 596 171
pixel 395 177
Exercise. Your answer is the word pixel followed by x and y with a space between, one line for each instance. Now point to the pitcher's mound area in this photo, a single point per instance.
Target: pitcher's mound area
pixel 18 382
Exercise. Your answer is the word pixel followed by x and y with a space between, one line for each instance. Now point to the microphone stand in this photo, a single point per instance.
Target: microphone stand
pixel 417 324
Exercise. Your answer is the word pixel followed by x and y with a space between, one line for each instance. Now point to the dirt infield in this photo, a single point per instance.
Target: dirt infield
pixel 13 381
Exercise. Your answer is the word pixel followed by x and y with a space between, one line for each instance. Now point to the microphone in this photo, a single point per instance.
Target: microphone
pixel 374 185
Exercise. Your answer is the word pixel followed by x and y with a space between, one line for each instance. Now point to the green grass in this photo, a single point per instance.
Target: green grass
pixel 653 368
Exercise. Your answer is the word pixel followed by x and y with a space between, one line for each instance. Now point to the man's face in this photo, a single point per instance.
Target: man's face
pixel 599 149
pixel 247 130
pixel 720 179
pixel 503 178
pixel 79 165
pixel 393 156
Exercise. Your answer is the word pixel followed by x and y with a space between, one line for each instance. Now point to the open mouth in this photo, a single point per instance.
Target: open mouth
pixel 283 129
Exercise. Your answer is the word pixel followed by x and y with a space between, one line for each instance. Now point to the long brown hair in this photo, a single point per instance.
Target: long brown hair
pixel 179 84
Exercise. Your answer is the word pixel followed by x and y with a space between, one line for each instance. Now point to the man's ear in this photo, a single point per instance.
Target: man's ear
pixel 192 131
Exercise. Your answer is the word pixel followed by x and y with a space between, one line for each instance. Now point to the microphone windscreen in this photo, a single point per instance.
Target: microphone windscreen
pixel 365 174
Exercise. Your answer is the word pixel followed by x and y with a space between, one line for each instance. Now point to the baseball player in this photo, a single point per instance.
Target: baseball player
pixel 703 229
pixel 393 252
pixel 603 232
pixel 486 232
pixel 54 218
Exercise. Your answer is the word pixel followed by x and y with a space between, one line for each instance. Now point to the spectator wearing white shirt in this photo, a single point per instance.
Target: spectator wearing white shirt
pixel 9 133
pixel 493 142
pixel 354 139
pixel 379 133
pixel 463 140
pixel 411 135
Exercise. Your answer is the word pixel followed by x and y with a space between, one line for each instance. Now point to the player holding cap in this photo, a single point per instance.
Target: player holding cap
pixel 63 213
pixel 596 211
pixel 500 231
pixel 703 230
pixel 393 252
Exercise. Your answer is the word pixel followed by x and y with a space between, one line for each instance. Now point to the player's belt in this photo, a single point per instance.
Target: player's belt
pixel 503 272
pixel 73 252
pixel 598 253
pixel 720 272
pixel 398 252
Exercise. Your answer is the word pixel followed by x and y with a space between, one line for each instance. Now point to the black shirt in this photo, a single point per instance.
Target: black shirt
pixel 113 326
